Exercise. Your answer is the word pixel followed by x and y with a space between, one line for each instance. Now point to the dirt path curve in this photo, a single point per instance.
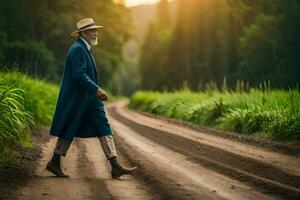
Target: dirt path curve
pixel 174 163
pixel 260 168
pixel 290 164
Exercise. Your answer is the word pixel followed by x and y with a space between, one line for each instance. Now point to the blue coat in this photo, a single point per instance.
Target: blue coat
pixel 78 112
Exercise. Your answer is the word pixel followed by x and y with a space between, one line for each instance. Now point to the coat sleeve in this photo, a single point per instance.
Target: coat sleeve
pixel 78 72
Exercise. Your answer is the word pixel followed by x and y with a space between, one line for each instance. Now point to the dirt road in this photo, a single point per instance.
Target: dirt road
pixel 175 162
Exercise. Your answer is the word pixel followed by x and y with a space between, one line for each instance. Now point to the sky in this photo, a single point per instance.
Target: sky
pixel 138 2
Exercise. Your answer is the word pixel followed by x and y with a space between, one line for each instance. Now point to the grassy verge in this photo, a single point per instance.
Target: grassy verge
pixel 25 103
pixel 264 114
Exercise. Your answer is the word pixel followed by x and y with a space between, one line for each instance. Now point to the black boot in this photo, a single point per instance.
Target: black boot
pixel 54 166
pixel 117 170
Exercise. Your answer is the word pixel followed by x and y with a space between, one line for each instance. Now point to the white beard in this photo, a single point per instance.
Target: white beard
pixel 94 42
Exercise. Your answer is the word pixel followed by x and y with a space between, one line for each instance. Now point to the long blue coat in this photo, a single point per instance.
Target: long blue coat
pixel 79 113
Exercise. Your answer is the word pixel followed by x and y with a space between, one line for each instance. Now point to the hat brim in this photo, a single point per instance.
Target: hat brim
pixel 75 33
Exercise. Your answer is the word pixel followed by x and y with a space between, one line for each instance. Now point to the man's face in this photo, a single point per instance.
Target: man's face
pixel 91 36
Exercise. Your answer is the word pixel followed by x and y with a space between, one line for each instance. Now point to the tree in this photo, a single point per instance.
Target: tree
pixel 152 62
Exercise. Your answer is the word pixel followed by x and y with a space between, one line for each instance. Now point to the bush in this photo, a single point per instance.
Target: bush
pixel 274 114
pixel 25 103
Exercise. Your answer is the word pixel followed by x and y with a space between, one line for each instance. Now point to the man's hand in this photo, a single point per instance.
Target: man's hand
pixel 101 94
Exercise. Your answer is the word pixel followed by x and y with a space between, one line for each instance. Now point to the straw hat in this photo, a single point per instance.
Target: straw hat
pixel 85 24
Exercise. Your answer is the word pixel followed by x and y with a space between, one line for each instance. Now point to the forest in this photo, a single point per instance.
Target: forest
pixel 203 43
pixel 36 39
pixel 212 42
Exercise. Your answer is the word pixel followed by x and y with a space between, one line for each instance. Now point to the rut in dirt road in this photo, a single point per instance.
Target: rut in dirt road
pixel 89 177
pixel 172 176
pixel 279 179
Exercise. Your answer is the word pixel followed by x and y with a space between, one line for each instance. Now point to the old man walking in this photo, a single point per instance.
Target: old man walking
pixel 79 110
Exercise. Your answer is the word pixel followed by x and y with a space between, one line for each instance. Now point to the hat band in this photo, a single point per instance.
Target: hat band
pixel 89 25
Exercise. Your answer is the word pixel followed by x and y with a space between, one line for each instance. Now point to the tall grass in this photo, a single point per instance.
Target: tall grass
pixel 25 103
pixel 265 113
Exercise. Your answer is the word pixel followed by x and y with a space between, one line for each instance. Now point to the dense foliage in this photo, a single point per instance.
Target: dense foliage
pixel 251 40
pixel 25 103
pixel 265 113
pixel 35 35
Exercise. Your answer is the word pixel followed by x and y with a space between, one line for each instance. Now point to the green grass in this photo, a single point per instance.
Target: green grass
pixel 271 114
pixel 25 103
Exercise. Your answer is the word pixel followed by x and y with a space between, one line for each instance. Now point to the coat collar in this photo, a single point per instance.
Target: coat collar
pixel 89 52
pixel 84 43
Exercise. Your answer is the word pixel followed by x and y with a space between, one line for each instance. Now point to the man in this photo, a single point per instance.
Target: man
pixel 79 110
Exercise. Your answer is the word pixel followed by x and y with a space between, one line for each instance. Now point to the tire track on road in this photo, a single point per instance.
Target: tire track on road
pixel 173 176
pixel 97 171
pixel 261 175
pixel 48 187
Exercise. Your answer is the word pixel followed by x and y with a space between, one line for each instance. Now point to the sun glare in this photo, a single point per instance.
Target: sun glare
pixel 139 2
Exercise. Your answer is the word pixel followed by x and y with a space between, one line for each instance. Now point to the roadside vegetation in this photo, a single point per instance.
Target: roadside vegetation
pixel 263 113
pixel 25 104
